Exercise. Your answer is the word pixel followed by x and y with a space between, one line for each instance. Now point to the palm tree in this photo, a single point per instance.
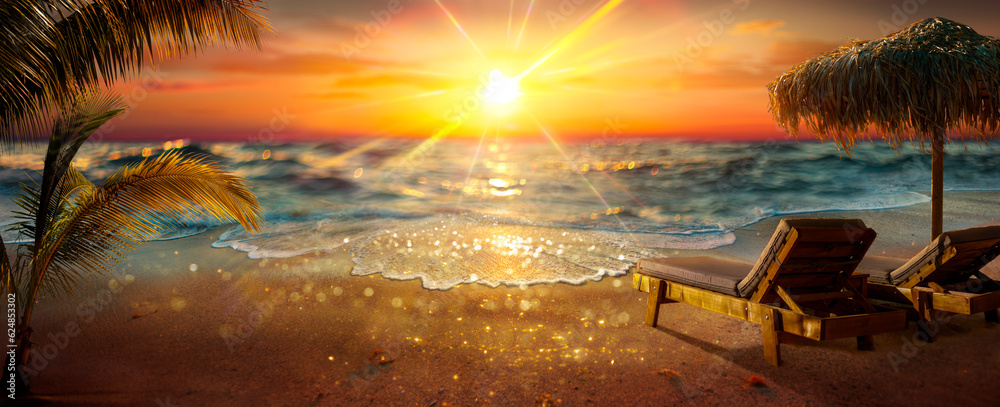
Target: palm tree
pixel 55 55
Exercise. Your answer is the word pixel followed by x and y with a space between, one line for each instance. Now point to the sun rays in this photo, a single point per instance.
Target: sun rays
pixel 460 29
pixel 502 90
pixel 494 99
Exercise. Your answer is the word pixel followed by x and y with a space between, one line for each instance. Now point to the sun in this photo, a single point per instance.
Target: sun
pixel 501 90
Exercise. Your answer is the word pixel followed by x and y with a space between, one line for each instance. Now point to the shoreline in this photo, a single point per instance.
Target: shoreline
pixel 303 331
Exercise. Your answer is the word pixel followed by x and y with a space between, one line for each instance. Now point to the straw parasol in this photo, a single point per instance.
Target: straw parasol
pixel 932 79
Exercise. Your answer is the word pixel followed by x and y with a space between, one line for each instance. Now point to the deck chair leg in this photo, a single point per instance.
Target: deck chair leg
pixel 653 301
pixel 925 333
pixel 924 315
pixel 992 316
pixel 771 329
pixel 866 342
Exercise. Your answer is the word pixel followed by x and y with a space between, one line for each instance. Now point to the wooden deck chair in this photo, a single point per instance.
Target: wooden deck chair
pixel 800 287
pixel 946 276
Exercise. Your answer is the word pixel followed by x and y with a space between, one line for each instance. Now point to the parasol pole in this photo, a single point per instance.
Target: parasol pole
pixel 937 182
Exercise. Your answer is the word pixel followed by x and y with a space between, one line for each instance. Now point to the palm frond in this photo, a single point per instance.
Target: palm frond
pixel 25 62
pixel 77 123
pixel 95 227
pixel 117 35
pixel 72 184
pixel 56 48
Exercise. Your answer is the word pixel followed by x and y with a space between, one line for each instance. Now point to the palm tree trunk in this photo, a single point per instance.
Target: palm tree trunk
pixel 937 183
pixel 20 354
pixel 23 339
pixel 23 349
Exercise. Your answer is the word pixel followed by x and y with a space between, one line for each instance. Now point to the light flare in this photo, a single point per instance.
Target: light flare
pixel 510 19
pixel 569 161
pixel 460 29
pixel 475 157
pixel 524 24
pixel 582 30
pixel 575 168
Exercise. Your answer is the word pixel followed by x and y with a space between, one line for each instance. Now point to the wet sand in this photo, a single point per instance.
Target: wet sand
pixel 302 331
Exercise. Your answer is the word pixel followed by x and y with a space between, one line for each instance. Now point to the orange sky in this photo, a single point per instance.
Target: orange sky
pixel 693 69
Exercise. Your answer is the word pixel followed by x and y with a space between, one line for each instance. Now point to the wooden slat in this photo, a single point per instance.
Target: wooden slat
pixel 804 262
pixel 860 299
pixel 807 291
pixel 977 245
pixel 806 326
pixel 941 302
pixel 929 268
pixel 859 280
pixel 823 251
pixel 956 302
pixel 805 284
pixel 984 302
pixel 794 323
pixel 804 298
pixel 864 324
pixel 808 280
pixel 764 288
pixel 890 293
pixel 788 299
pixel 834 308
pixel 820 271
pixel 803 325
pixel 827 234
pixel 799 267
pixel 967 254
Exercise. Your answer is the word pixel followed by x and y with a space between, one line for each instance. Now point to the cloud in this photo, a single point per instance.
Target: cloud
pixel 277 63
pixel 337 94
pixel 184 86
pixel 747 71
pixel 763 26
pixel 395 79
pixel 787 53
pixel 333 25
pixel 725 77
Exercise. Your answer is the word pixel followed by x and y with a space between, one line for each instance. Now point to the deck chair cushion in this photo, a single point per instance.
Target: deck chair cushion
pixel 879 268
pixel 934 250
pixel 710 273
pixel 750 283
pixel 730 277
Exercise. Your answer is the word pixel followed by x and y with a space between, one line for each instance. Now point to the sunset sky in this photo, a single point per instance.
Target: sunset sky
pixel 690 69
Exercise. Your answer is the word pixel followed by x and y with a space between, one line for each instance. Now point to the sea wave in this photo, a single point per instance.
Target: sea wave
pixel 626 200
pixel 448 250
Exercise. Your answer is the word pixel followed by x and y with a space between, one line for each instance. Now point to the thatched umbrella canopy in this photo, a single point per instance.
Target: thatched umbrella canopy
pixel 932 79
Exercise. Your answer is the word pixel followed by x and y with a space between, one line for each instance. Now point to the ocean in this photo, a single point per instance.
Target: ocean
pixel 515 212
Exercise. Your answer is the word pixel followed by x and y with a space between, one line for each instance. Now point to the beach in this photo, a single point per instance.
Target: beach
pixel 184 324
pixel 446 203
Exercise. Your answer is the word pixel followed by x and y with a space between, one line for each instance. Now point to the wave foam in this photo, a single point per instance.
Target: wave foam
pixel 446 251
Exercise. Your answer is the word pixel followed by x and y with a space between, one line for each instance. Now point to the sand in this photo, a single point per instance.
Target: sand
pixel 303 332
